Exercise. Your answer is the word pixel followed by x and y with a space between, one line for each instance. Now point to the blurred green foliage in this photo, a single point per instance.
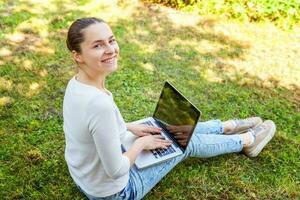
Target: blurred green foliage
pixel 284 13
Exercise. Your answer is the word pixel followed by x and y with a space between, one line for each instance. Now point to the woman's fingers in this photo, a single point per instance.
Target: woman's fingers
pixel 164 143
pixel 147 130
pixel 152 129
pixel 159 141
pixel 144 134
pixel 158 136
pixel 164 146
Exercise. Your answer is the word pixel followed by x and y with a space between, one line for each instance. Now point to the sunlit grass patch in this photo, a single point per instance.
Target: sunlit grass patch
pixel 5 101
pixel 227 69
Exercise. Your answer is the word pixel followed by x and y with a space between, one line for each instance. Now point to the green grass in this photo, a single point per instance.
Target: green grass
pixel 227 69
pixel 284 14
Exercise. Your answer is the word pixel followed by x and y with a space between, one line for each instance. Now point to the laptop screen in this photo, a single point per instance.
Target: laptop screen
pixel 176 114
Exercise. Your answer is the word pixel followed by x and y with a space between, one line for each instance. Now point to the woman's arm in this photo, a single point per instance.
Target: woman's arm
pixel 103 126
pixel 134 150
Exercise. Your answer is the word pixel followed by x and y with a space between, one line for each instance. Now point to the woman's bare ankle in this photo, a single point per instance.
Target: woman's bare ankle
pixel 228 126
pixel 247 138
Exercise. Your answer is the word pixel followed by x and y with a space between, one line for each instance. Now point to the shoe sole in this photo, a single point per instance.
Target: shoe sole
pixel 262 144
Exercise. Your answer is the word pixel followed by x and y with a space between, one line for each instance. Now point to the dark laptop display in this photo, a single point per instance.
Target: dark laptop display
pixel 176 115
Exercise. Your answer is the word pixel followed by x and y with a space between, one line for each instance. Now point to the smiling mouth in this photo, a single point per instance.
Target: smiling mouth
pixel 109 60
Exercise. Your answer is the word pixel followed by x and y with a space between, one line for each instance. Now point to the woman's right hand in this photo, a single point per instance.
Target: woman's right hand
pixel 155 142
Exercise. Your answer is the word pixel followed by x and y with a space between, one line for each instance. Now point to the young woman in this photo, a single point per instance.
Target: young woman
pixel 94 127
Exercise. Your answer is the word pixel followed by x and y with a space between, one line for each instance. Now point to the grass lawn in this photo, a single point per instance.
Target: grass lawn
pixel 228 69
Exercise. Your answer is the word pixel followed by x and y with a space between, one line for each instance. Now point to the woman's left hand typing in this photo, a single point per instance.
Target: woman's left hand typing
pixel 143 130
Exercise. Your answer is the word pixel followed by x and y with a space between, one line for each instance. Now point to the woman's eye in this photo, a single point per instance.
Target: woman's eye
pixel 98 45
pixel 112 41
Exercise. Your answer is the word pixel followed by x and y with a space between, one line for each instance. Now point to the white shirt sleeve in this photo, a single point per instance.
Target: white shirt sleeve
pixel 102 125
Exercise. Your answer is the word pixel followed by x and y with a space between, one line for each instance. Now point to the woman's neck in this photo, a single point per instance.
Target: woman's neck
pixel 97 81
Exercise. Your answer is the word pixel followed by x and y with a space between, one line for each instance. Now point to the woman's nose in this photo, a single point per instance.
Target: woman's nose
pixel 109 49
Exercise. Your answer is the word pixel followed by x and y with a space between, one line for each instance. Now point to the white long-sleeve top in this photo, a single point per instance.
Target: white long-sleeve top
pixel 93 129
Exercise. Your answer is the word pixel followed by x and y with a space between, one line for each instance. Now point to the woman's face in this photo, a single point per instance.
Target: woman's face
pixel 99 50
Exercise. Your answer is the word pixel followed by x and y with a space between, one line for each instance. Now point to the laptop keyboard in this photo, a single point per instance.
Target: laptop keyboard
pixel 160 152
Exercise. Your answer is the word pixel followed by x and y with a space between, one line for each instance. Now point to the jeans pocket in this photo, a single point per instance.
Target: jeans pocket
pixel 127 192
pixel 122 193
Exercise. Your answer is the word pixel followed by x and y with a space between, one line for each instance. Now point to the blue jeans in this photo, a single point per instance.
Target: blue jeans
pixel 207 141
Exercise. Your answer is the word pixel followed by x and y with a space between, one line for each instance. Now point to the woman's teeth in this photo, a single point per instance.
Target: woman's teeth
pixel 108 60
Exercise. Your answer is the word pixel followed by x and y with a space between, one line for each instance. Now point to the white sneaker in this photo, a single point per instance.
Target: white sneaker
pixel 262 135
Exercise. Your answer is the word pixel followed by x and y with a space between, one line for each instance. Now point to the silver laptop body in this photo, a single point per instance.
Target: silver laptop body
pixel 173 111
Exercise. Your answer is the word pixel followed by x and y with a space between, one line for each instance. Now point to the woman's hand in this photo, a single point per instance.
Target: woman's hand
pixel 146 142
pixel 142 129
pixel 154 142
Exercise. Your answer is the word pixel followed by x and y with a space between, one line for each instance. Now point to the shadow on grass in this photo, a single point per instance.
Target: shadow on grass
pixel 153 49
pixel 147 45
pixel 241 93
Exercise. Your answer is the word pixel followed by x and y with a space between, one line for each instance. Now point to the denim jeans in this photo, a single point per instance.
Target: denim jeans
pixel 207 141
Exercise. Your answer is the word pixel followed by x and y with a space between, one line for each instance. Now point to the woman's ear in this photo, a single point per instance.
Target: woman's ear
pixel 77 56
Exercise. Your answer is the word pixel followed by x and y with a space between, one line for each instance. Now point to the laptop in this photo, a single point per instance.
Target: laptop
pixel 177 117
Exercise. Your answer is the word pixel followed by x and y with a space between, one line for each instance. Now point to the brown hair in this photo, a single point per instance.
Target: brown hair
pixel 75 35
